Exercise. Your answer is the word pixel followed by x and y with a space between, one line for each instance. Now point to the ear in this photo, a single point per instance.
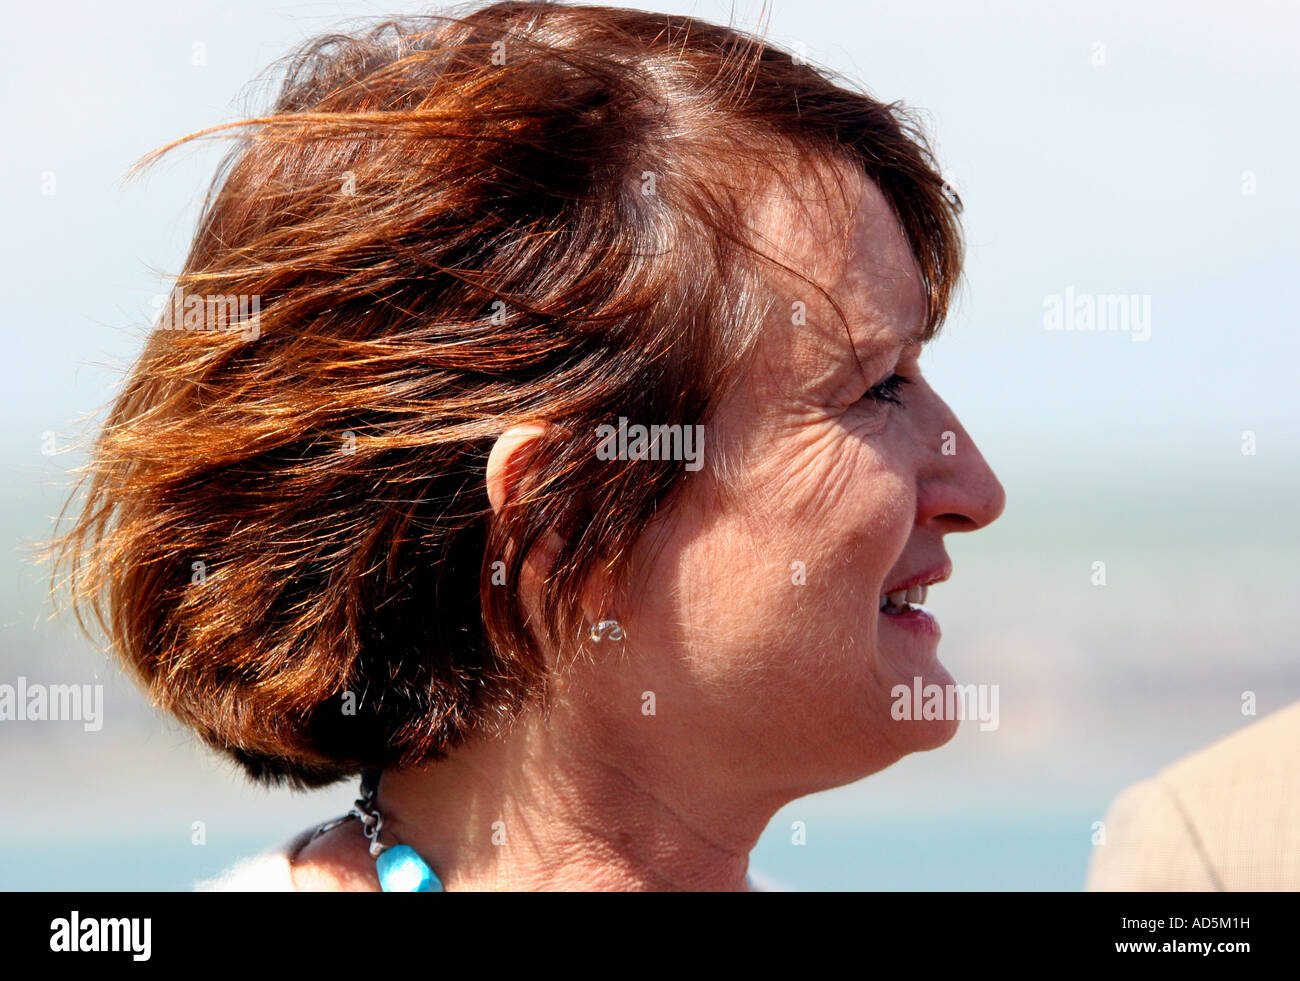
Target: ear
pixel 507 464
pixel 507 472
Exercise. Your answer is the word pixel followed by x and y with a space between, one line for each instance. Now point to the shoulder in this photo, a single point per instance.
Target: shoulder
pixel 1224 817
pixel 1262 753
pixel 269 871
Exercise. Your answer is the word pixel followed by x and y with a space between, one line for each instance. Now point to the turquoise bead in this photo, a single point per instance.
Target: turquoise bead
pixel 401 869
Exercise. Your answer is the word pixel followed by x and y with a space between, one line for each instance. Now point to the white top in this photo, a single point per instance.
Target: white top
pixel 269 872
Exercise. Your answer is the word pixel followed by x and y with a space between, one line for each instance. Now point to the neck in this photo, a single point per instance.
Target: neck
pixel 534 811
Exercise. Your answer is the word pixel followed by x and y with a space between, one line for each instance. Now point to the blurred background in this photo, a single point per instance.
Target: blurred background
pixel 1106 148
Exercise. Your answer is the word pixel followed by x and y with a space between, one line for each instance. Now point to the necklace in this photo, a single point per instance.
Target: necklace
pixel 399 867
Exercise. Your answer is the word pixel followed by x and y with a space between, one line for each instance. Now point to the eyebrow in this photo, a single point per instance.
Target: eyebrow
pixel 917 335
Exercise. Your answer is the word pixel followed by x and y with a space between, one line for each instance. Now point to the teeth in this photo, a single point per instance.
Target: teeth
pixel 904 597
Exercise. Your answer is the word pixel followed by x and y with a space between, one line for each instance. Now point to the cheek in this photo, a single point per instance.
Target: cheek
pixel 756 623
pixel 851 503
pixel 790 573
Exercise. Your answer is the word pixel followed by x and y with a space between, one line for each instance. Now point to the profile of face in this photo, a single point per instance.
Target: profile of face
pixel 754 622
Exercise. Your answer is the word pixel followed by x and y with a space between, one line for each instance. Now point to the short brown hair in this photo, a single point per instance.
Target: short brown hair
pixel 445 223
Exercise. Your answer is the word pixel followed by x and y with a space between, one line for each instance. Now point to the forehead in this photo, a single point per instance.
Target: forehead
pixel 880 284
pixel 835 226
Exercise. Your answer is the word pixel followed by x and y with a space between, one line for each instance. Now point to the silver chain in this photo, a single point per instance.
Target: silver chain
pixel 372 822
pixel 364 810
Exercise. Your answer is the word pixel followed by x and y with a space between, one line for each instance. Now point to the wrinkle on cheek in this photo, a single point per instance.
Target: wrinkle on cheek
pixel 824 475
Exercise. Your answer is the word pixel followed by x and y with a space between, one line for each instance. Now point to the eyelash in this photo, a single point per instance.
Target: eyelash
pixel 888 390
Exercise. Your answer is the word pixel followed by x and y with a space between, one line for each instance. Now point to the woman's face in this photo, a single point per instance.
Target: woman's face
pixel 755 617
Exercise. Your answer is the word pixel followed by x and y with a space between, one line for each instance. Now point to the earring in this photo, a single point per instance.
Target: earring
pixel 611 629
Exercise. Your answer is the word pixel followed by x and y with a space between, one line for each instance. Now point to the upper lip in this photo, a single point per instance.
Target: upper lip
pixel 929 577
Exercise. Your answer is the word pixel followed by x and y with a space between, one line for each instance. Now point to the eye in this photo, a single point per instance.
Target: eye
pixel 888 390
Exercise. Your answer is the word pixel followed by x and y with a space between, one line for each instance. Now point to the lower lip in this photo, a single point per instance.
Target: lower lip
pixel 919 621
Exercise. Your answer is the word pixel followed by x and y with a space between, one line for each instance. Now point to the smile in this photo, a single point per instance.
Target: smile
pixel 903 600
pixel 909 594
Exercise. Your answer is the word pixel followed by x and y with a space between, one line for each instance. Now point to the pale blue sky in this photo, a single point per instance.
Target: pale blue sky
pixel 1122 177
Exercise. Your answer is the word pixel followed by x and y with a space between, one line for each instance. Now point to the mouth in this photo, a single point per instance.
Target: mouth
pixel 908 596
pixel 903 600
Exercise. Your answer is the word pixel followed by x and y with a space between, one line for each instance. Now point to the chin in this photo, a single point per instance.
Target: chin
pixel 933 734
pixel 878 740
pixel 914 733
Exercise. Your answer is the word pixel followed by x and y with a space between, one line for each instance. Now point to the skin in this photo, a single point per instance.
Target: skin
pixel 765 690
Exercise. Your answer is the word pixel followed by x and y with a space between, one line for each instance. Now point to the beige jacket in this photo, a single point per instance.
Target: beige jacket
pixel 1226 817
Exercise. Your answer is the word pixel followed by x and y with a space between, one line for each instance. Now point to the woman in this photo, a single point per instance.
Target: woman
pixel 556 454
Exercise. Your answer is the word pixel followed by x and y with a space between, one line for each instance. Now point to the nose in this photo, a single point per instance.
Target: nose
pixel 957 489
